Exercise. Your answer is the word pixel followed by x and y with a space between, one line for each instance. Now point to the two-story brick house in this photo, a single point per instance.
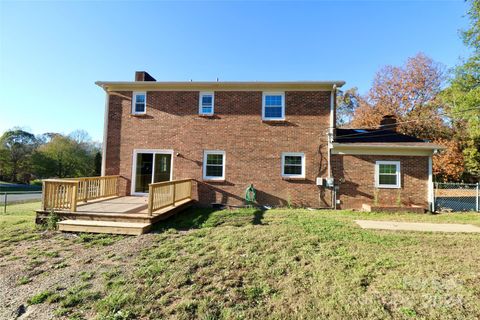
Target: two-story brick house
pixel 278 136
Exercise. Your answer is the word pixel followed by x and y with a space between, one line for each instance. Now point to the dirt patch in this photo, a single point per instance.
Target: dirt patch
pixel 57 262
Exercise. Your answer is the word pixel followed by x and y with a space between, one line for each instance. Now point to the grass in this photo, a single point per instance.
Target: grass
pixel 18 224
pixel 277 264
pixel 250 264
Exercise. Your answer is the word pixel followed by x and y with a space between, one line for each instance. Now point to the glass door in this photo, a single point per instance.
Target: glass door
pixel 162 167
pixel 151 167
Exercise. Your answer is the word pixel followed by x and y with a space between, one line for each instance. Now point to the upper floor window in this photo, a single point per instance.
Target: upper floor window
pixel 387 174
pixel 293 165
pixel 206 103
pixel 139 103
pixel 273 106
pixel 214 165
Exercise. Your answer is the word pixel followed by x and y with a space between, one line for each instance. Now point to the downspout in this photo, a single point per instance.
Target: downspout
pixel 105 132
pixel 330 134
pixel 331 130
pixel 430 195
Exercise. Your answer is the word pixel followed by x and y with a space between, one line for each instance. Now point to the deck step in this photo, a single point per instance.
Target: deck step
pixel 128 228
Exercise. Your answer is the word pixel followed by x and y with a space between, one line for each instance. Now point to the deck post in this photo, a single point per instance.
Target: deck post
pixel 191 187
pixel 174 185
pixel 150 199
pixel 44 191
pixel 74 197
pixel 85 188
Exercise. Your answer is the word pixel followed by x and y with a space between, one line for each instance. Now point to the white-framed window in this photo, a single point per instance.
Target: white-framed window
pixel 273 106
pixel 139 103
pixel 206 103
pixel 293 165
pixel 387 174
pixel 213 165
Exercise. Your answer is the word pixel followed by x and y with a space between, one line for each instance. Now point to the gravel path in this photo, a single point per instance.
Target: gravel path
pixel 414 226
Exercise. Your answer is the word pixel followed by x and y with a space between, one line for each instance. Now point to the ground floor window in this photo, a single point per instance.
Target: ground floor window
pixel 214 165
pixel 387 174
pixel 293 165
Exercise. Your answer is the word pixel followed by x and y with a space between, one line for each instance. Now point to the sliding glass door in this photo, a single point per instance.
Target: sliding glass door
pixel 150 167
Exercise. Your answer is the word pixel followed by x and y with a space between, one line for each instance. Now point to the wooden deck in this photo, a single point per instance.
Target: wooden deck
pixel 90 209
pixel 120 215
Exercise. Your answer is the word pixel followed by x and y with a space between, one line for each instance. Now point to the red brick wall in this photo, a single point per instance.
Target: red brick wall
pixel 357 173
pixel 253 148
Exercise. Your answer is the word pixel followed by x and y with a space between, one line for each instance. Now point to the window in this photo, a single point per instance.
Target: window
pixel 293 165
pixel 273 106
pixel 387 174
pixel 214 165
pixel 139 103
pixel 206 103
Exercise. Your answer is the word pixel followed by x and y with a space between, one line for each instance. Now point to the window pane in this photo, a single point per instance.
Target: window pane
pixel 273 112
pixel 206 109
pixel 273 100
pixel 140 98
pixel 143 174
pixel 214 159
pixel 207 100
pixel 289 169
pixel 388 168
pixel 139 107
pixel 293 160
pixel 214 171
pixel 388 179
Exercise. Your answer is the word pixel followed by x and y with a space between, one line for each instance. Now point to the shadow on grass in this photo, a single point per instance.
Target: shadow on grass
pixel 197 218
pixel 258 217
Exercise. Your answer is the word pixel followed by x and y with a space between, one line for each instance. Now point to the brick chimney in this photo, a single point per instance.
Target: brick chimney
pixel 389 122
pixel 143 76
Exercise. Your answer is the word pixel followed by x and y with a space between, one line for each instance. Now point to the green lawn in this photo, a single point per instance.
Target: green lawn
pixel 249 264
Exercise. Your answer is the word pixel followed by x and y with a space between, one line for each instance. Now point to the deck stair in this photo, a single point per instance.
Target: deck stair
pixel 112 227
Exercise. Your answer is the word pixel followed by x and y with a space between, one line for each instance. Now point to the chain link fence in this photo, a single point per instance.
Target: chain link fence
pixel 457 196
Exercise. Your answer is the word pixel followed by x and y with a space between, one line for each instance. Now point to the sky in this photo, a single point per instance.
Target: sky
pixel 51 53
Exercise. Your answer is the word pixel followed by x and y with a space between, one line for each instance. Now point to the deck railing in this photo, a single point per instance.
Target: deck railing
pixel 65 194
pixel 164 194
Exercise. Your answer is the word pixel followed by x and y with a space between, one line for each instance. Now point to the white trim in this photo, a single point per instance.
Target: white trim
pixel 387 150
pixel 200 107
pixel 105 133
pixel 293 154
pixel 207 152
pixel 134 165
pixel 430 184
pixel 377 175
pixel 264 95
pixel 134 99
pixel 218 86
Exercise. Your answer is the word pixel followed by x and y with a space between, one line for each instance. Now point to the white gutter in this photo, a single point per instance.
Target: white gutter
pixel 427 146
pixel 105 132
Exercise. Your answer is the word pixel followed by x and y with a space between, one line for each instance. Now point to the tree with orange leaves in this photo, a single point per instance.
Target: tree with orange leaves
pixel 411 93
pixel 408 92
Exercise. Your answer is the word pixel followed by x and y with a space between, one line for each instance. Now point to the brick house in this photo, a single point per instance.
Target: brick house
pixel 281 137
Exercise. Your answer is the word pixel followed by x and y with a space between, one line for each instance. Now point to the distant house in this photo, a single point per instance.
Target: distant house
pixel 281 137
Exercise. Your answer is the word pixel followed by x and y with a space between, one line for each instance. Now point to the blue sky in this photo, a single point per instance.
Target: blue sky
pixel 51 53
